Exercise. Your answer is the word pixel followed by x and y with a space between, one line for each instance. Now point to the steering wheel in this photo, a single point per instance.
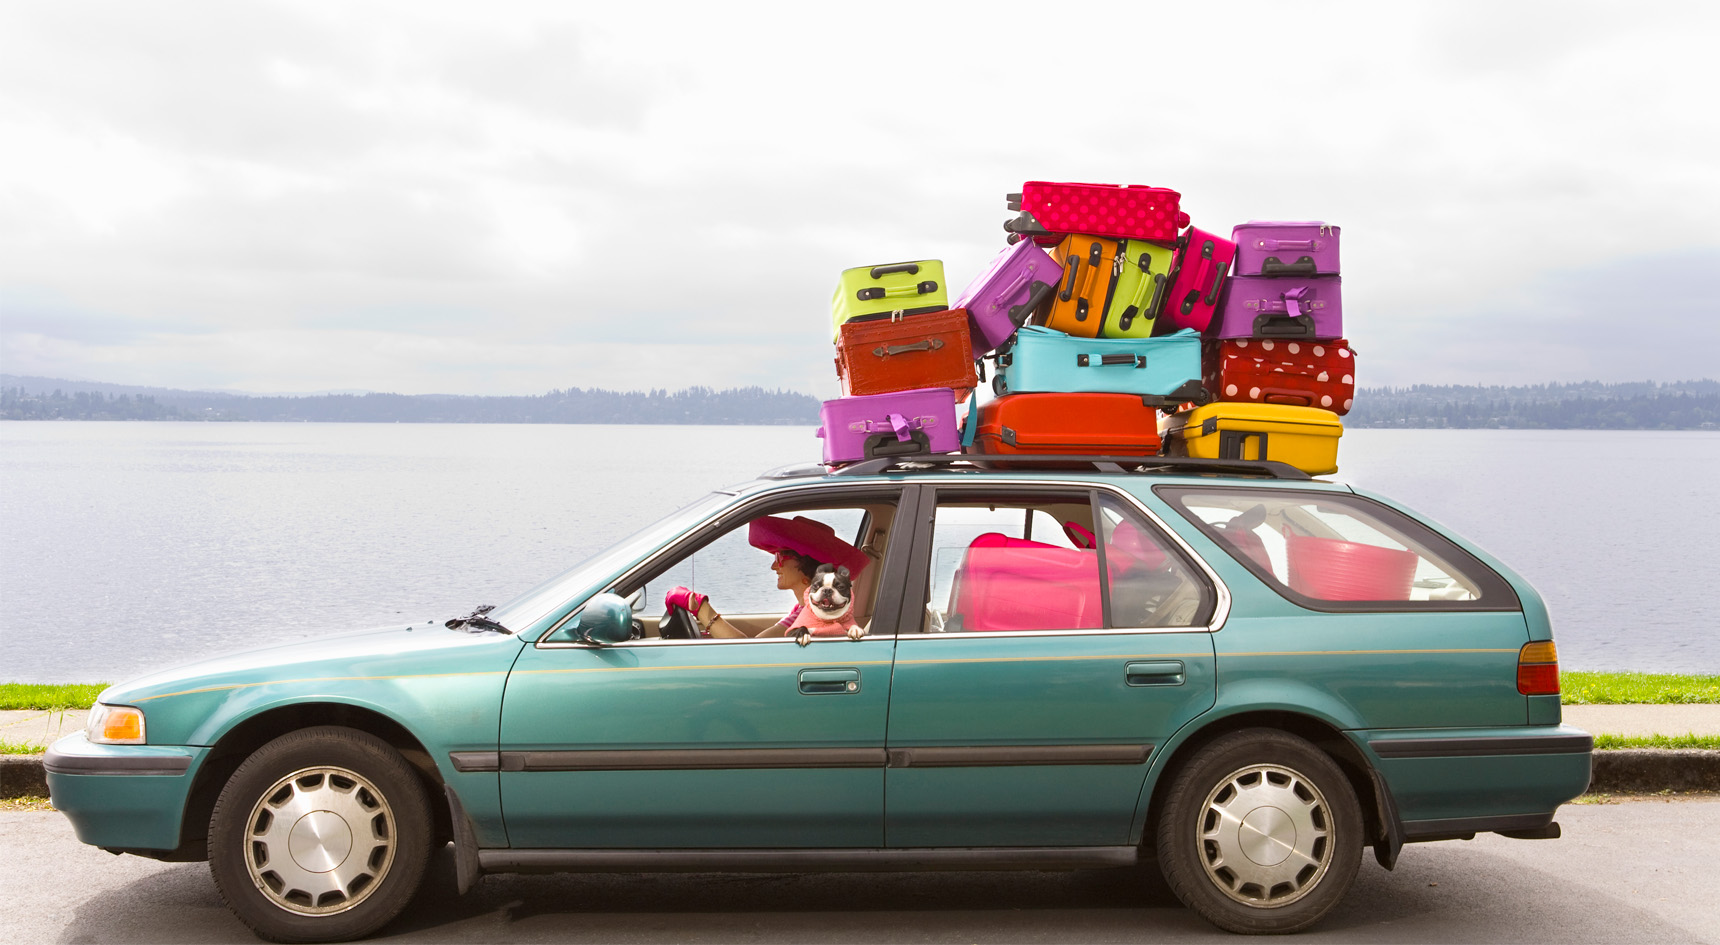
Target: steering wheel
pixel 677 624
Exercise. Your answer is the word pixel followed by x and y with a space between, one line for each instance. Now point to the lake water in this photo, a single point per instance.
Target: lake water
pixel 132 546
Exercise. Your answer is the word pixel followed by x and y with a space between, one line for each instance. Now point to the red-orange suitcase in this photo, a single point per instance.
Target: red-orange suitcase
pixel 910 352
pixel 1068 425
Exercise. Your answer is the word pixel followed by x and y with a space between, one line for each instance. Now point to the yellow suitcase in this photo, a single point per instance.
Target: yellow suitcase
pixel 1304 437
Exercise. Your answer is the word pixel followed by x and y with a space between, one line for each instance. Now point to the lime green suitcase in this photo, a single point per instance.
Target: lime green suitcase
pixel 908 288
pixel 1140 277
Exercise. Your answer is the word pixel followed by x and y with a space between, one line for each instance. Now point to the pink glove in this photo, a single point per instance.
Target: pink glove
pixel 688 600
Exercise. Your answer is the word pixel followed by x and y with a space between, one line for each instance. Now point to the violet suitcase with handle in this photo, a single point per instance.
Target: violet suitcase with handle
pixel 904 423
pixel 1273 248
pixel 1017 285
pixel 1293 309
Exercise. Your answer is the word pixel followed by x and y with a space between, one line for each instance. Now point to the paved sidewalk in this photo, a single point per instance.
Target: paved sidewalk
pixel 40 728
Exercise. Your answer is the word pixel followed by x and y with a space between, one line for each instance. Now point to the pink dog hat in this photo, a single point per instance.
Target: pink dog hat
pixel 810 538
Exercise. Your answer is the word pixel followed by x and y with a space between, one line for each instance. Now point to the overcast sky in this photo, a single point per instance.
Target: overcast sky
pixel 512 197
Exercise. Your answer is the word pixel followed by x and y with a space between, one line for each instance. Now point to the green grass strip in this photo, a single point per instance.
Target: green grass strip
pixel 1607 742
pixel 1580 688
pixel 19 748
pixel 46 697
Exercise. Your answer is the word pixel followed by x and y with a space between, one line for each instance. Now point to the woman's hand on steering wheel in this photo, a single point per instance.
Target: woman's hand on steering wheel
pixel 685 599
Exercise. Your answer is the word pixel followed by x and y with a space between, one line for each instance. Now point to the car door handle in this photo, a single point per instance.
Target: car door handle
pixel 1154 673
pixel 815 681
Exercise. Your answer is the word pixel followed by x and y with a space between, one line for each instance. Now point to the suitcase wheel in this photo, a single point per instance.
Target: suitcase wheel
pixel 998 387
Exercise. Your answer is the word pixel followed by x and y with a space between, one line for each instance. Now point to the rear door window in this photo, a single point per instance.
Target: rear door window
pixel 1331 551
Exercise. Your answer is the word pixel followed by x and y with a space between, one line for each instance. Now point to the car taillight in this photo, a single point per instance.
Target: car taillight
pixel 1538 669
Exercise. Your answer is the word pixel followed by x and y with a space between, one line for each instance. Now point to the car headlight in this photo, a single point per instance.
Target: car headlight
pixel 114 725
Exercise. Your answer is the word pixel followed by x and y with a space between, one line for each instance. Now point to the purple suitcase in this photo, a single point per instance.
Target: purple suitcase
pixel 1270 248
pixel 1016 284
pixel 1267 307
pixel 904 423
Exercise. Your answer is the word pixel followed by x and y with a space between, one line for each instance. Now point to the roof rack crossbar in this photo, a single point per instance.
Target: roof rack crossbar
pixel 1270 468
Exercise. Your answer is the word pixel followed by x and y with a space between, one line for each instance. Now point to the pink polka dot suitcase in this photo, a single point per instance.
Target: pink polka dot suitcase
pixel 1050 210
pixel 1288 373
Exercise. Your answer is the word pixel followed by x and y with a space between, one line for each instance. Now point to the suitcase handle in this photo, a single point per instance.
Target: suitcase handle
pixel 1095 255
pixel 1273 246
pixel 1293 301
pixel 1286 397
pixel 1069 284
pixel 896 291
pixel 1019 314
pixel 1128 316
pixel 885 444
pixel 1279 326
pixel 1273 266
pixel 1132 360
pixel 897 425
pixel 930 344
pixel 912 269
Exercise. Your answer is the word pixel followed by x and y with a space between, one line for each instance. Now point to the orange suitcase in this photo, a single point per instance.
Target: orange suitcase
pixel 1078 305
pixel 907 352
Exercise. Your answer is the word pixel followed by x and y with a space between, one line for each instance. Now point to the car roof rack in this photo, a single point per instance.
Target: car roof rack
pixel 1171 465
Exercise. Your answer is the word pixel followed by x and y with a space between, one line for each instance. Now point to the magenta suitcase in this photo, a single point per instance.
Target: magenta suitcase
pixel 1018 282
pixel 903 423
pixel 1270 248
pixel 1050 209
pixel 1293 309
pixel 1015 584
pixel 1203 260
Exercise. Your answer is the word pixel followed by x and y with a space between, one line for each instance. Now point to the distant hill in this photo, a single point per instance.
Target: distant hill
pixel 1589 405
pixel 46 398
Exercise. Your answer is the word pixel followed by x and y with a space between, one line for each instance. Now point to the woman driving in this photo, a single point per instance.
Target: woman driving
pixel 800 547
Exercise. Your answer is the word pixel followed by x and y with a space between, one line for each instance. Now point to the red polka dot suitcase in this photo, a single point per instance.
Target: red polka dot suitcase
pixel 1050 210
pixel 1287 373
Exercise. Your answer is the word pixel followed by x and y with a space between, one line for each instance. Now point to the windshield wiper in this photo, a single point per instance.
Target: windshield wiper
pixel 476 621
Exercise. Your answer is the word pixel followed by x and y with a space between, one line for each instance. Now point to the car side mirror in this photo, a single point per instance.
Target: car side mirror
pixel 606 619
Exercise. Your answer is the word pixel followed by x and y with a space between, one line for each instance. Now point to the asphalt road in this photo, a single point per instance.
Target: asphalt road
pixel 1634 870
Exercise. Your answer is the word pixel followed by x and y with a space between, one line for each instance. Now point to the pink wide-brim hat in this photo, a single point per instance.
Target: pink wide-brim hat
pixel 810 538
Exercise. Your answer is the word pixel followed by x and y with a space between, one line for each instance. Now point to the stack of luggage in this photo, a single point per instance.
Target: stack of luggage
pixel 1105 310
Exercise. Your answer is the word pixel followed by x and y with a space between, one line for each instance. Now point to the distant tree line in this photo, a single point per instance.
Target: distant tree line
pixel 1683 405
pixel 695 405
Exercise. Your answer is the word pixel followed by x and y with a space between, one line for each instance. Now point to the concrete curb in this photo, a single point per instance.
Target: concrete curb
pixel 1617 771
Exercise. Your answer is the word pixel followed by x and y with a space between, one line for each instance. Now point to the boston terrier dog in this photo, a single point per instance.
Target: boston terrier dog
pixel 831 598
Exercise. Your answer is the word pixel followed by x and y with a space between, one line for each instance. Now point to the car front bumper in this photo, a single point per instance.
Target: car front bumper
pixel 122 796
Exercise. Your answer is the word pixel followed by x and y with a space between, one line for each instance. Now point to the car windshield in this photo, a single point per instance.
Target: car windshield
pixel 540 601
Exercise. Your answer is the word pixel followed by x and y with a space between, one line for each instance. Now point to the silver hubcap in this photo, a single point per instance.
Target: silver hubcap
pixel 1265 835
pixel 319 841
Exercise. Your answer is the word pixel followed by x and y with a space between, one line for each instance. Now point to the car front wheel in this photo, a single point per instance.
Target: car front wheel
pixel 320 835
pixel 1260 833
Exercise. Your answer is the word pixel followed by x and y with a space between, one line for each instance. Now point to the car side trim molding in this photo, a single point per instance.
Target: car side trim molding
pixel 706 759
pixel 1471 747
pixel 867 859
pixel 150 765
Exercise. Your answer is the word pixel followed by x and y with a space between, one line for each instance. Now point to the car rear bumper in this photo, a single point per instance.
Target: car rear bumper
pixel 122 796
pixel 1453 781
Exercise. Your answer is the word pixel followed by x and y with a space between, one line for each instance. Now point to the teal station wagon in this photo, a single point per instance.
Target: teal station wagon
pixel 1242 673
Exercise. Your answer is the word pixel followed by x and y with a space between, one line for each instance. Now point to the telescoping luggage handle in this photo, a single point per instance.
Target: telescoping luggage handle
pixel 1144 262
pixel 1095 255
pixel 1208 269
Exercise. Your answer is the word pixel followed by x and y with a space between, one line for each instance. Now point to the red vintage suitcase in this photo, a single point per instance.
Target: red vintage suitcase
pixel 1290 373
pixel 909 352
pixel 1068 425
pixel 1136 212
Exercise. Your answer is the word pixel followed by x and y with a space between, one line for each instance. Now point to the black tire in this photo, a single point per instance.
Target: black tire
pixel 1295 844
pixel 322 835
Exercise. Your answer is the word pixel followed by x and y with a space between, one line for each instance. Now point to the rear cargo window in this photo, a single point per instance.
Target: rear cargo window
pixel 1342 552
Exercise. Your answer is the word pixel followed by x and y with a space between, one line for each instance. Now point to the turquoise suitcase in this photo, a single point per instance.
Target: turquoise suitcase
pixel 1166 369
pixel 909 288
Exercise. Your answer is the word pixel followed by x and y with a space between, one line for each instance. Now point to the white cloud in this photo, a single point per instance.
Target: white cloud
pixel 549 187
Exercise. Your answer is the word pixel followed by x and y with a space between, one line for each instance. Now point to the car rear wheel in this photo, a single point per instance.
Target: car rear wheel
pixel 1260 833
pixel 320 835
